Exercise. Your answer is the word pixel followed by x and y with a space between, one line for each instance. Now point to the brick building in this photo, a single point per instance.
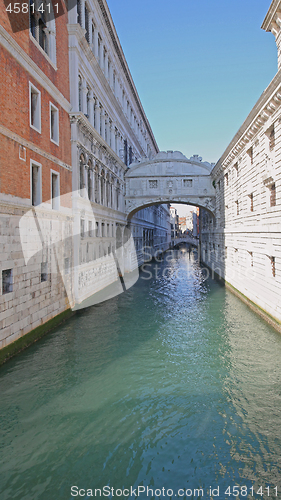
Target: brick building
pixel 35 161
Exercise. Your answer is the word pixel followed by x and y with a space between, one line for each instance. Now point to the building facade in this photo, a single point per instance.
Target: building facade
pixel 71 125
pixel 35 167
pixel 109 132
pixel 242 243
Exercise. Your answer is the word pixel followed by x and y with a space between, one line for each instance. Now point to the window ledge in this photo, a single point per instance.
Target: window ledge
pixel 31 37
pixel 35 128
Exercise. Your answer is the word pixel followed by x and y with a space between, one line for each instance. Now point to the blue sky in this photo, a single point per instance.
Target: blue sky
pixel 199 67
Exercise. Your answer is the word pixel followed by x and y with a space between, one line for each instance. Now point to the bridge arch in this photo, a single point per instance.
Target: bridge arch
pixel 169 177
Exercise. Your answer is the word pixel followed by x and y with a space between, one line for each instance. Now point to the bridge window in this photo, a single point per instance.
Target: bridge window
pixel 187 183
pixel 153 184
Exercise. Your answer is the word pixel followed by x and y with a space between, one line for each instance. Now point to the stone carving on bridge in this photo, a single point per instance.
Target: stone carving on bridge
pixel 169 177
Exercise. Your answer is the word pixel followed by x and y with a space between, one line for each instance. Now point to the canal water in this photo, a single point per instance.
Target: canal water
pixel 174 385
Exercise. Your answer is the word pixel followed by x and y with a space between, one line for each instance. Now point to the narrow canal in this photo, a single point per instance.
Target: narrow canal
pixel 174 384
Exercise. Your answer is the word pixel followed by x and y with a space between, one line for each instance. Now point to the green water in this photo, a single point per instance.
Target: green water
pixel 174 384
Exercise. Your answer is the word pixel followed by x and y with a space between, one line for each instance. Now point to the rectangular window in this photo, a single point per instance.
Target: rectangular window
pixel 90 228
pixel 226 179
pixel 55 190
pixel 97 229
pixel 186 183
pixel 237 207
pixel 35 107
pixel 250 258
pixel 272 260
pixel 153 184
pixel 103 229
pixel 251 196
pixel 54 124
pixel 251 156
pixel 272 195
pixel 82 228
pixel 236 169
pixel 7 281
pixel 271 137
pixel 35 184
pixel 87 35
pixel 44 271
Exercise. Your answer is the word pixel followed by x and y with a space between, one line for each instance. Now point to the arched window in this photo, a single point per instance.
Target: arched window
pixel 80 92
pixel 87 35
pixel 81 173
pixel 117 194
pixel 111 192
pixel 96 185
pixel 88 101
pixel 42 26
pixel 79 12
pixel 90 180
pixel 102 187
pixel 107 190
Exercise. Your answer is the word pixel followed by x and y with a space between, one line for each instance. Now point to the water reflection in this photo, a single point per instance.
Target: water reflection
pixel 174 384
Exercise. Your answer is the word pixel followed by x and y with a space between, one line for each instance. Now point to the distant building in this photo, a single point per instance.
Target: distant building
pixel 174 220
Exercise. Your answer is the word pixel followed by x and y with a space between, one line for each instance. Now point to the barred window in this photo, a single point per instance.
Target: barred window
pixel 272 260
pixel 271 139
pixel 7 281
pixel 153 184
pixel 272 195
pixel 251 196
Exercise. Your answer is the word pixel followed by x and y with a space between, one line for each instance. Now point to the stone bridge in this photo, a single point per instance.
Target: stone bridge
pixel 169 177
pixel 185 239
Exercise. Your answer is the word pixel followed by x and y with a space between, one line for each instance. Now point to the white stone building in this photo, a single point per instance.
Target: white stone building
pixel 109 131
pixel 242 243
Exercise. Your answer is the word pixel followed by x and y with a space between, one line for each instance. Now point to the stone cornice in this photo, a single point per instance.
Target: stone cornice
pixel 267 105
pixel 75 29
pixel 94 136
pixel 271 15
pixel 116 43
pixel 32 147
